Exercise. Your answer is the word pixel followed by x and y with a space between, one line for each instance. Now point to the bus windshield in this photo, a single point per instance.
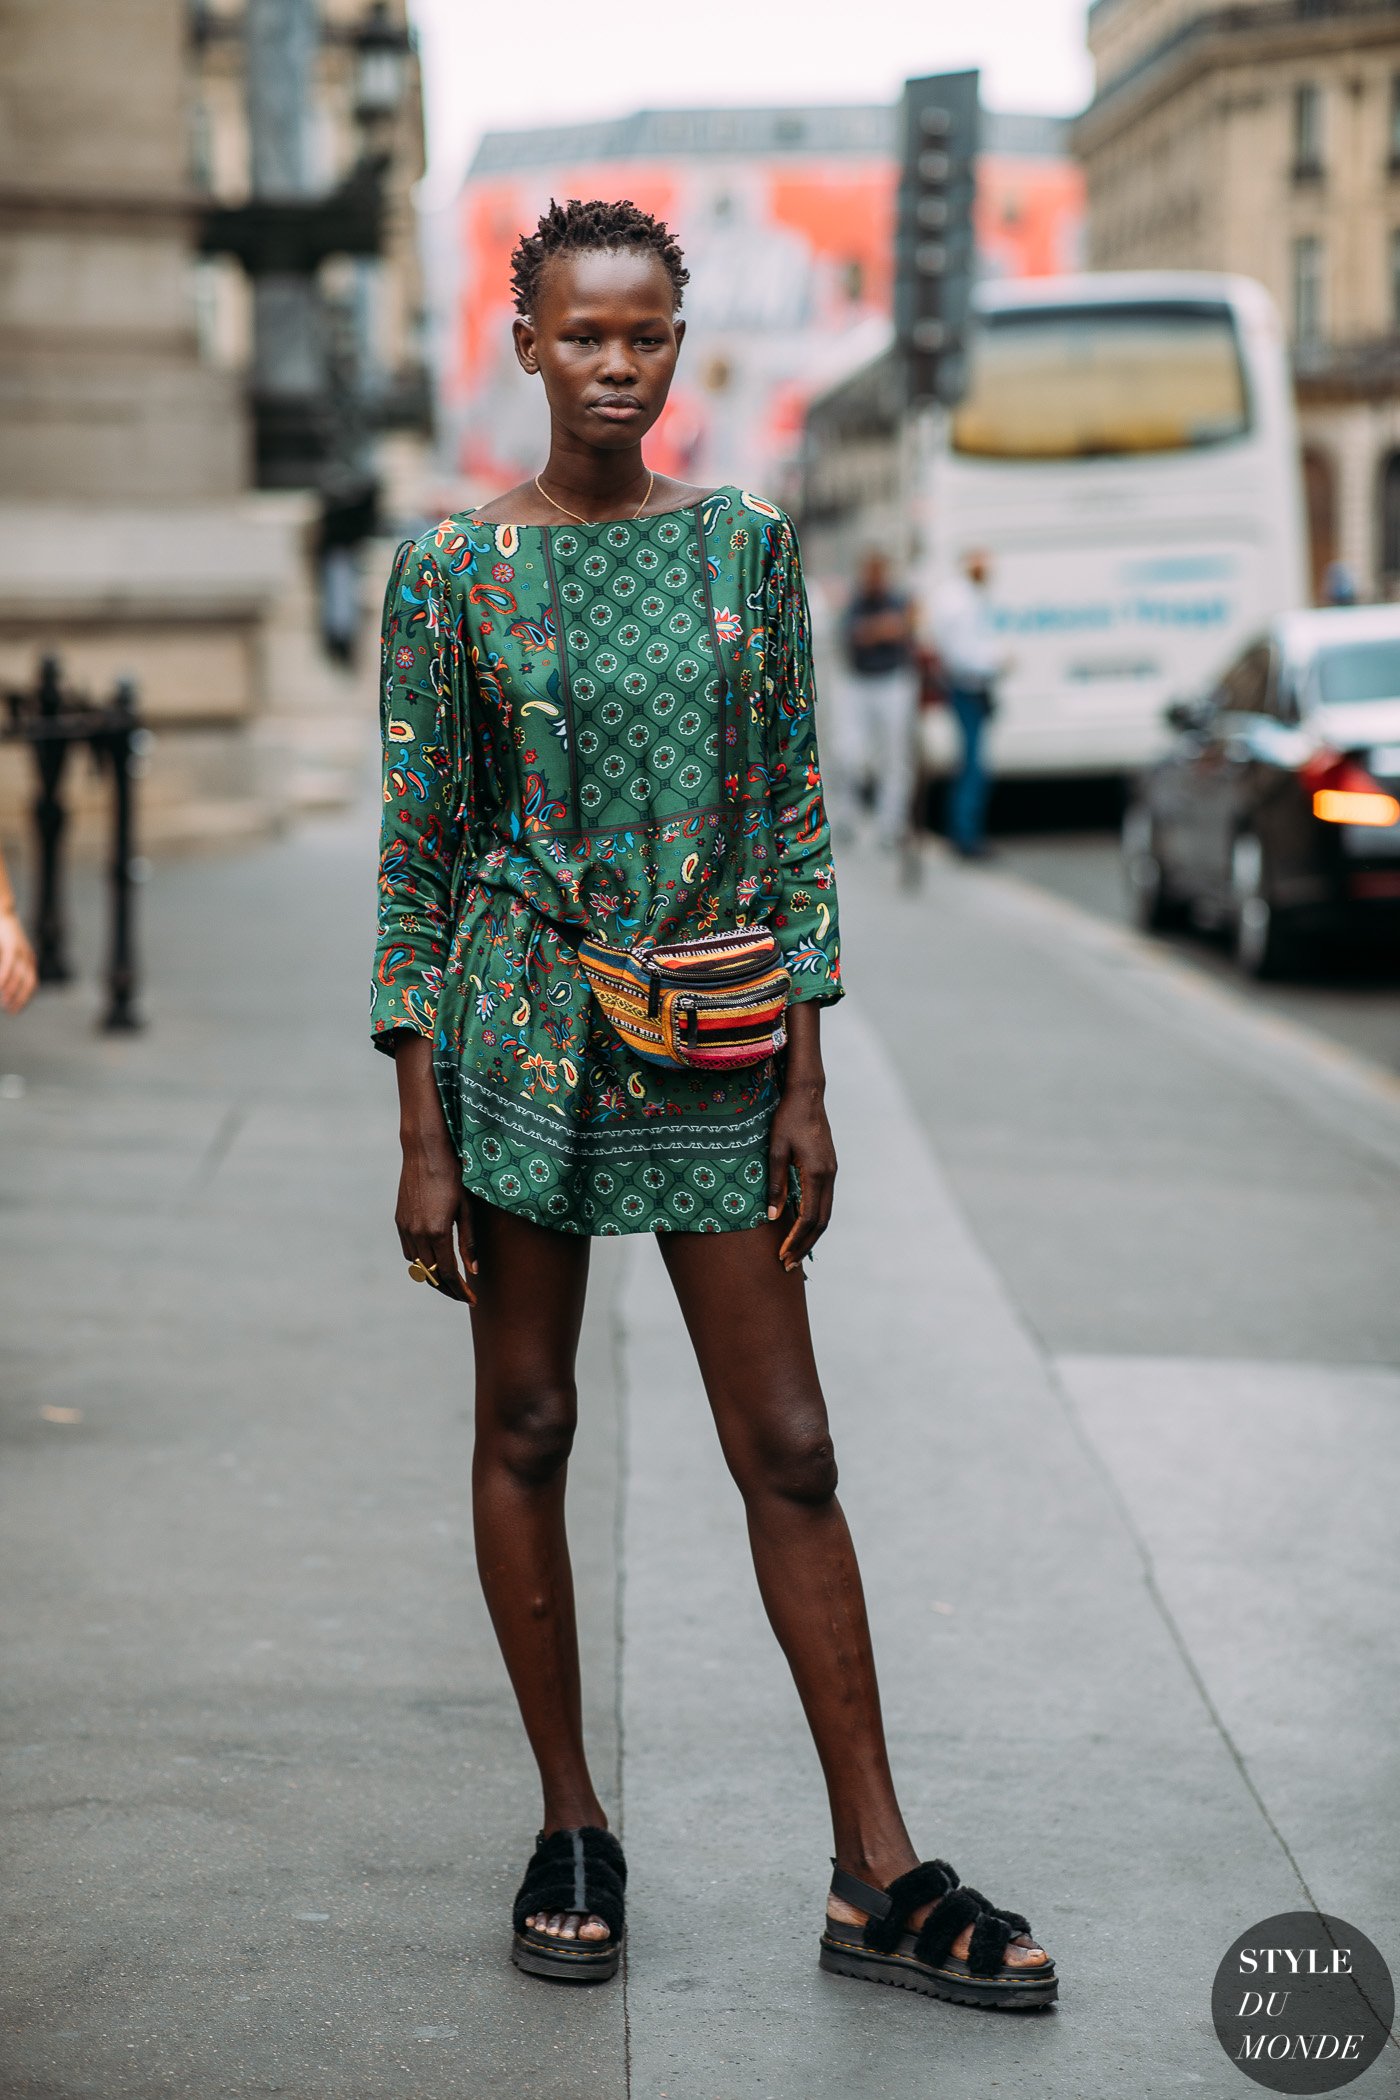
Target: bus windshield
pixel 1079 382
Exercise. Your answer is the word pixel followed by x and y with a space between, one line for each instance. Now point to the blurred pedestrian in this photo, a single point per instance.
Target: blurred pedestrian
pixel 340 602
pixel 1339 584
pixel 973 660
pixel 881 699
pixel 603 821
pixel 18 974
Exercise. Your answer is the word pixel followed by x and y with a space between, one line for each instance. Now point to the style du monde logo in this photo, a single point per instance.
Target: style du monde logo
pixel 1303 2003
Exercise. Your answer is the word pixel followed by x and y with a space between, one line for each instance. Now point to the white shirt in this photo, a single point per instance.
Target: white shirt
pixel 968 643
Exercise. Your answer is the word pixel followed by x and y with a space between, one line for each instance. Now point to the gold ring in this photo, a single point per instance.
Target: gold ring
pixel 424 1272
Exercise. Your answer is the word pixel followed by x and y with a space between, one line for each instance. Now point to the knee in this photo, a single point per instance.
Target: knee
pixel 796 1465
pixel 531 1428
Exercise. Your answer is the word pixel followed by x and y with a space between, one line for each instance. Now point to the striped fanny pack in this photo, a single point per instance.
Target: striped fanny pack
pixel 712 1003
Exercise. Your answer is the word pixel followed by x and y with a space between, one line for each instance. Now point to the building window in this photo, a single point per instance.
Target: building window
pixel 1390 518
pixel 1395 279
pixel 201 148
pixel 1320 491
pixel 1308 317
pixel 1307 131
pixel 1395 120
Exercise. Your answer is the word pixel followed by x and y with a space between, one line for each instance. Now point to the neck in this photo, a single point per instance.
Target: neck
pixel 591 481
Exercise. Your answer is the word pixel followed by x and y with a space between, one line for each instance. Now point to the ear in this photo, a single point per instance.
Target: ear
pixel 680 335
pixel 525 351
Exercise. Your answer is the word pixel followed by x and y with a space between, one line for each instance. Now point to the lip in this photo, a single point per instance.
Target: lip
pixel 617 408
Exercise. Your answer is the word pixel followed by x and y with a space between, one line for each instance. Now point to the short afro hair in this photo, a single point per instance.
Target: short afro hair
pixel 575 228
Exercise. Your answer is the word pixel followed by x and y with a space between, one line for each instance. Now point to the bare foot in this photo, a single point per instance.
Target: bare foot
pixel 569 1925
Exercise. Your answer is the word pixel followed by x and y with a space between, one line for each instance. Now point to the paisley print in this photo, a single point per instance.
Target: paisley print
pixel 556 803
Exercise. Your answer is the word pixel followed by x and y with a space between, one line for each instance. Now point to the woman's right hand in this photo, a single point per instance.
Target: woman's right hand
pixel 432 1201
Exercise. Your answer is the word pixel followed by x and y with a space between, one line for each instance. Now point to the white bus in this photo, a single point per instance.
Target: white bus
pixel 1128 458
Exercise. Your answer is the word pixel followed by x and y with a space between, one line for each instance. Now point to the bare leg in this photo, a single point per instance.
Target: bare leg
pixel 747 1318
pixel 525 1329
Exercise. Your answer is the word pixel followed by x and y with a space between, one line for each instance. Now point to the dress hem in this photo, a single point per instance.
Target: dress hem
pixel 654 1228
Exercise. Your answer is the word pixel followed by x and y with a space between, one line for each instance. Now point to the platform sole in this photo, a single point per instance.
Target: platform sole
pixel 904 1974
pixel 564 1964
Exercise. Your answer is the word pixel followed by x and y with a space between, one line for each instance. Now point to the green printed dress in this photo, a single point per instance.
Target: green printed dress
pixel 608 729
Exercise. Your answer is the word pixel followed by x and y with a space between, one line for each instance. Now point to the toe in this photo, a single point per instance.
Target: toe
pixel 593 1929
pixel 569 1929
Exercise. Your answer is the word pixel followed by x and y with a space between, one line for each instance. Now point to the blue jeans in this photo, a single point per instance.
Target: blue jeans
pixel 967 798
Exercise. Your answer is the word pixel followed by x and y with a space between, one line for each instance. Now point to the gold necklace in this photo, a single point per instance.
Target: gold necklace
pixel 651 484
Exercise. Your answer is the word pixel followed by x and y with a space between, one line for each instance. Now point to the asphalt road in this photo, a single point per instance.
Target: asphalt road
pixel 1351 997
pixel 1109 1328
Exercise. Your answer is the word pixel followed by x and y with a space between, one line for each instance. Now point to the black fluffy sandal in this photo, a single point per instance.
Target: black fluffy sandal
pixel 573 1871
pixel 884 1951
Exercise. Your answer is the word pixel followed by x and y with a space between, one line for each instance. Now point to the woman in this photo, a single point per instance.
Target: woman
pixel 597 714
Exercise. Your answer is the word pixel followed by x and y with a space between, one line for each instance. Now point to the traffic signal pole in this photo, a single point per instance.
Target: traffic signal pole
pixel 935 249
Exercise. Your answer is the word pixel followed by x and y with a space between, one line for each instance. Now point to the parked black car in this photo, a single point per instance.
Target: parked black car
pixel 1276 812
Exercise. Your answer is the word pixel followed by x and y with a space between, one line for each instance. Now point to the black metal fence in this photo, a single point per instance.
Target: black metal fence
pixel 53 722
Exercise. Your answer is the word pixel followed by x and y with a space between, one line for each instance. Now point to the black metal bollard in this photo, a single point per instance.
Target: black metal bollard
pixel 51 722
pixel 50 822
pixel 119 741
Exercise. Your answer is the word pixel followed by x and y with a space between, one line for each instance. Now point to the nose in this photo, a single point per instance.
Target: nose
pixel 619 367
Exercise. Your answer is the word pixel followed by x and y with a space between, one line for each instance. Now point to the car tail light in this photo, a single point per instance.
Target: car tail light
pixel 1343 792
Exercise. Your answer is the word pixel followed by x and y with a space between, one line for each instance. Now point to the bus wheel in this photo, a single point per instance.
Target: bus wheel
pixel 1151 905
pixel 1265 943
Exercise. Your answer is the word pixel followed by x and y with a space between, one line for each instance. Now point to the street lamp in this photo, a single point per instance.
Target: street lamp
pixel 381 63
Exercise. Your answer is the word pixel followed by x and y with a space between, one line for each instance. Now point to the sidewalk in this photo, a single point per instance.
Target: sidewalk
pixel 1118 1447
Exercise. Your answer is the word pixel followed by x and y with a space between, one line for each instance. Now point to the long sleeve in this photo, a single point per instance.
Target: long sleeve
pixel 802 911
pixel 425 762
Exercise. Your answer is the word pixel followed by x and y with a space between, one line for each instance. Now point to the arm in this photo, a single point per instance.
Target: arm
pixel 18 975
pixel 801 1138
pixel 424 786
pixel 425 776
pixel 431 1197
pixel 805 914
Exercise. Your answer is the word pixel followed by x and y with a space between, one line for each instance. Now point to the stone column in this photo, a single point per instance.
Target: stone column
pixel 130 537
pixel 102 396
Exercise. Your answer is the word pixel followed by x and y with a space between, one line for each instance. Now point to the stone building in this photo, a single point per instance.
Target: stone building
pixel 373 305
pixel 1264 138
pixel 133 538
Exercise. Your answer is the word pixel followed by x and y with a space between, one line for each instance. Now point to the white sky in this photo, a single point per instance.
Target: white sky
pixel 495 67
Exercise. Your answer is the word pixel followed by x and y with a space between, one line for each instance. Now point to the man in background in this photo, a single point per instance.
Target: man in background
pixel 881 693
pixel 972 660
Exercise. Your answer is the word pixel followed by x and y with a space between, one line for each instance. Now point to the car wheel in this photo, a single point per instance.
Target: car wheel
pixel 1265 943
pixel 1152 906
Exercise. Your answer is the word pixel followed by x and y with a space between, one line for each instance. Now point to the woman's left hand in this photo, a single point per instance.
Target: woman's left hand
pixel 800 1139
pixel 18 975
